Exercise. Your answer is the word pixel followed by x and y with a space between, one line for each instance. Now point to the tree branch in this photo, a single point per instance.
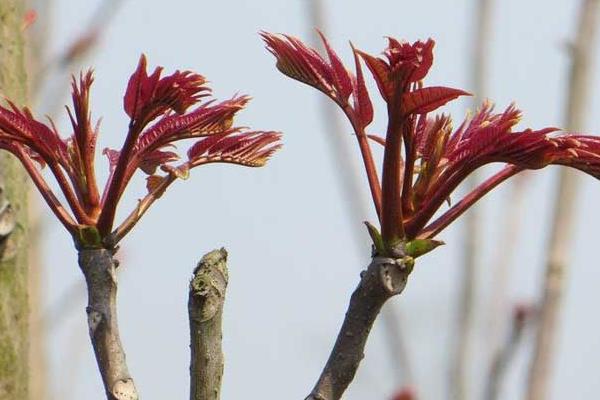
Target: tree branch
pixel 205 309
pixel 384 278
pixel 98 267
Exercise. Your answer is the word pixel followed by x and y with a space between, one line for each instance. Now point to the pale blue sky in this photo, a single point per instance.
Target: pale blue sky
pixel 292 261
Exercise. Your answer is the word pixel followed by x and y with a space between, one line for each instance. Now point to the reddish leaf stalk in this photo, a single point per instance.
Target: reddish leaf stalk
pixel 73 200
pixel 143 206
pixel 371 170
pixel 49 196
pixel 459 208
pixel 407 186
pixel 432 203
pixel 392 227
pixel 117 181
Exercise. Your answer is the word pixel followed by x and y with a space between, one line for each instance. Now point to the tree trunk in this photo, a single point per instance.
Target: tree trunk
pixel 13 220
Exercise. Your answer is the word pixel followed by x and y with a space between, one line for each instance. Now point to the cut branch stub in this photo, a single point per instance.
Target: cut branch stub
pixel 205 308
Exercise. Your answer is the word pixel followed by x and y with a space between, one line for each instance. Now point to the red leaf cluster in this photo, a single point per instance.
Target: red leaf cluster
pixel 331 77
pixel 425 159
pixel 160 114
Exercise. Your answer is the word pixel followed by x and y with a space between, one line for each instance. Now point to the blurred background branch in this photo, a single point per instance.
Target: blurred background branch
pixel 522 314
pixel 582 53
pixel 472 240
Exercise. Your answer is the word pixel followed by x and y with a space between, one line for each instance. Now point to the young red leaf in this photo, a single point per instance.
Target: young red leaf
pixel 153 182
pixel 577 151
pixel 380 71
pixel 341 77
pixel 422 101
pixel 362 103
pixel 148 96
pixel 18 125
pixel 113 157
pixel 204 121
pixel 299 62
pixel 84 135
pixel 251 149
pixel 409 62
pixel 156 158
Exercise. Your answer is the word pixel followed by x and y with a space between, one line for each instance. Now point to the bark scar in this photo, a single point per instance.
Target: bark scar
pixel 124 389
pixel 94 319
pixel 7 218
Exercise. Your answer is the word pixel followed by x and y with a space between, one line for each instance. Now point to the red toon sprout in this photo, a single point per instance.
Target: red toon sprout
pixel 161 114
pixel 425 158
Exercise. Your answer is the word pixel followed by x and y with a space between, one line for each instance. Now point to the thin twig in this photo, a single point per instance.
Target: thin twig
pixel 582 56
pixel 383 279
pixel 205 309
pixel 356 206
pixel 460 359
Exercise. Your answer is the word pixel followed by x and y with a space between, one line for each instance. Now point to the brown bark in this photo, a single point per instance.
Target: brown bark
pixel 14 337
pixel 98 267
pixel 384 278
pixel 205 309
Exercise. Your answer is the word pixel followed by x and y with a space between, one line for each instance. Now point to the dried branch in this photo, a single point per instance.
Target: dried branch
pixel 98 267
pixel 205 308
pixel 384 278
pixel 582 56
